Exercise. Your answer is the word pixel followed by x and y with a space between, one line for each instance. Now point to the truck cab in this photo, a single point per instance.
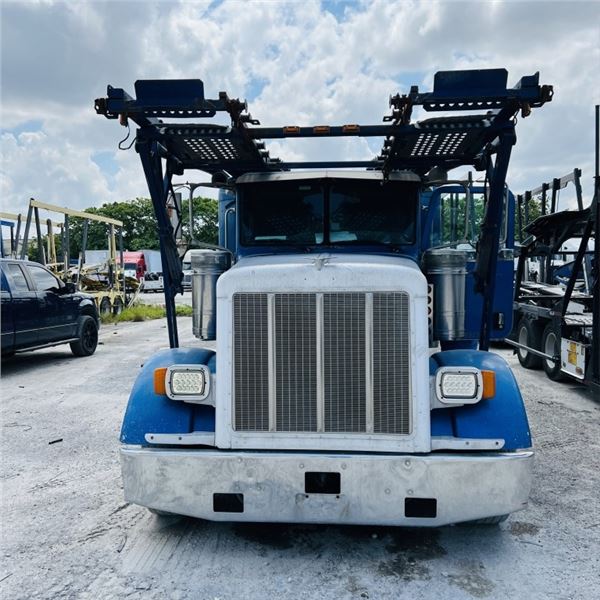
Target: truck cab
pixel 351 381
pixel 134 265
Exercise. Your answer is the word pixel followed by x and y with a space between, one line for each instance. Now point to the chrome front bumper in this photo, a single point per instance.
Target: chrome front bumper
pixel 374 488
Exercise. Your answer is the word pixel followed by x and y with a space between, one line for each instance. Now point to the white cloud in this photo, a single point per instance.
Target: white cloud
pixel 303 64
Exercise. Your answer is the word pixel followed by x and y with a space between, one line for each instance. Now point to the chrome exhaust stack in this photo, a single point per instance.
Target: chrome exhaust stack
pixel 446 270
pixel 207 266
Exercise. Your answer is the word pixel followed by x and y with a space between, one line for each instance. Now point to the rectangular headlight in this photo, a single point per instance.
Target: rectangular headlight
pixel 187 382
pixel 459 385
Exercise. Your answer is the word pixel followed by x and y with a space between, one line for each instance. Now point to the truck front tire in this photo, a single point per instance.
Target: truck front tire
pixel 88 337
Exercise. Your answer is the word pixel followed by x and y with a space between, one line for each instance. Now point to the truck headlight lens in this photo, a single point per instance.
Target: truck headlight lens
pixel 187 382
pixel 459 385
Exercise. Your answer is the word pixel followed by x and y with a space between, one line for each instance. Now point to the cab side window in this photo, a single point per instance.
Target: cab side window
pixel 44 280
pixel 19 283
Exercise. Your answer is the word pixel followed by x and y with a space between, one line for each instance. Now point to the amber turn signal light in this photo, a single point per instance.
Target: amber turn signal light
pixel 159 381
pixel 489 384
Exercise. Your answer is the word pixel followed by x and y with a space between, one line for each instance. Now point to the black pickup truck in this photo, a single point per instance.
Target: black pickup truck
pixel 39 310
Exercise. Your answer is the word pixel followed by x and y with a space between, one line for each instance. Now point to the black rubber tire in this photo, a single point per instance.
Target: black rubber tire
pixel 529 333
pixel 551 345
pixel 88 337
pixel 105 307
pixel 117 307
pixel 487 521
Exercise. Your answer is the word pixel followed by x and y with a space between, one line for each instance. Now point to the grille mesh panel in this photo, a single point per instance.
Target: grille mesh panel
pixel 251 362
pixel 295 362
pixel 391 363
pixel 344 361
pixel 297 327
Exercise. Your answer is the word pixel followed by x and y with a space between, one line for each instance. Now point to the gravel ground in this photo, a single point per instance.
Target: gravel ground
pixel 67 533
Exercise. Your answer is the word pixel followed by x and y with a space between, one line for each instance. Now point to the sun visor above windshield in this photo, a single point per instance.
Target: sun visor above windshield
pixel 327 174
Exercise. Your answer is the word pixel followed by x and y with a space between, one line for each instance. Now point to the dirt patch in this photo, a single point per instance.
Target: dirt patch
pixel 473 583
pixel 412 548
pixel 420 543
pixel 523 528
pixel 407 569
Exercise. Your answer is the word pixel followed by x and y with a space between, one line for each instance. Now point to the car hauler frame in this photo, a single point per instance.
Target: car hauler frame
pixel 109 292
pixel 331 401
pixel 556 325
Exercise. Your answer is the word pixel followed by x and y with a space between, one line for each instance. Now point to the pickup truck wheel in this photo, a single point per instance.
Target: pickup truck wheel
pixel 117 307
pixel 551 346
pixel 105 306
pixel 88 337
pixel 529 334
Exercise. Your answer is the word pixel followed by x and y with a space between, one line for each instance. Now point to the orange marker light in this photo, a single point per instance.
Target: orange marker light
pixel 489 384
pixel 159 381
pixel 321 129
pixel 291 129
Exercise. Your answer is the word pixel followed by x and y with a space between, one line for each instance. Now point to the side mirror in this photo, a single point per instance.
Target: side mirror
pixel 69 288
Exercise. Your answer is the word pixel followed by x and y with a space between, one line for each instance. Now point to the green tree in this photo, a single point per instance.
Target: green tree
pixel 139 226
pixel 140 229
pixel 528 214
pixel 205 213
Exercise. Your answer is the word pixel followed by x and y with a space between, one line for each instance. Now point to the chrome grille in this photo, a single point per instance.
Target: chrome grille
pixel 344 361
pixel 251 373
pixel 391 363
pixel 295 362
pixel 322 362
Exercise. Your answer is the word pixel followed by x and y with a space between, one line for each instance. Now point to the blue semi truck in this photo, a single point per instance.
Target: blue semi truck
pixel 352 303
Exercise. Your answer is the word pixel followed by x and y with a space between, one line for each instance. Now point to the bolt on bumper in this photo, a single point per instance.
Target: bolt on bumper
pixel 375 489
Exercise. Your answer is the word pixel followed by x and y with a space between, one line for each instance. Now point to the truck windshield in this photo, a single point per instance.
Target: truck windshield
pixel 328 212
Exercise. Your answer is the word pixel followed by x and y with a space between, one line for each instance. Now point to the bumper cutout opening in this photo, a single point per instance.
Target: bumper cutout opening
pixel 420 508
pixel 318 482
pixel 228 503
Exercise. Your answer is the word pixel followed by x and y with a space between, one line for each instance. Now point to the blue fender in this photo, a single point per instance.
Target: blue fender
pixel 148 412
pixel 502 416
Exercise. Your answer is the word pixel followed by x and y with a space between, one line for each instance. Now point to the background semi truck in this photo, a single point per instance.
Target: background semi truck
pixel 352 302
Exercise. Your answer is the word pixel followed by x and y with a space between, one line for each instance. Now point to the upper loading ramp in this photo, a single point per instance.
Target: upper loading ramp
pixel 483 141
pixel 445 142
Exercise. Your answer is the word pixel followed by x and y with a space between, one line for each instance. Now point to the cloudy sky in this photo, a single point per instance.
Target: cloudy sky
pixel 300 63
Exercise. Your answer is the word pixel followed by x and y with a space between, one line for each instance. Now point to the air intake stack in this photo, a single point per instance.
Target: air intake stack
pixel 207 267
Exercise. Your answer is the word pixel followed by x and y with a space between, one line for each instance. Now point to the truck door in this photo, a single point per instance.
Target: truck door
pixel 453 219
pixel 24 307
pixel 55 310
